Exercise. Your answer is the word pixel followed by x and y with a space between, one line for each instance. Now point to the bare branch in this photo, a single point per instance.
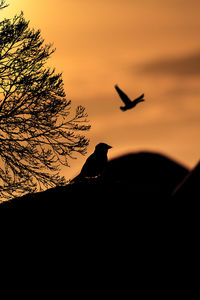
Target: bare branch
pixel 37 133
pixel 3 4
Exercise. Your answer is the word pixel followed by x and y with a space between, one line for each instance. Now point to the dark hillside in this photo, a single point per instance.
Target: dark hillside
pixel 129 180
pixel 151 172
pixel 189 186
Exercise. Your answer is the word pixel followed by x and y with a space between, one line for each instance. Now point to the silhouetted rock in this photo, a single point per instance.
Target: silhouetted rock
pixel 128 181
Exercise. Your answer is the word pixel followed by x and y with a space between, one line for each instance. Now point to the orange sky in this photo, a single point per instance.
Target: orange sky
pixel 149 46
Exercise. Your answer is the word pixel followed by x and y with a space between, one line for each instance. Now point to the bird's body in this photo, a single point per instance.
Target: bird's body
pixel 128 103
pixel 95 163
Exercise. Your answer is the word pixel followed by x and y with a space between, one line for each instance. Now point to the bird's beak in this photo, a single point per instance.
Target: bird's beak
pixel 109 147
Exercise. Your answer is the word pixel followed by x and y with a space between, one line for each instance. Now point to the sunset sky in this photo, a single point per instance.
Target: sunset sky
pixel 145 46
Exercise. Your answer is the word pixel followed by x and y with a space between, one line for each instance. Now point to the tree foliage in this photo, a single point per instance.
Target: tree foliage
pixel 37 133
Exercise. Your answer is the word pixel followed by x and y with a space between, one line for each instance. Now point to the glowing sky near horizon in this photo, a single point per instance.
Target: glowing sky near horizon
pixel 146 46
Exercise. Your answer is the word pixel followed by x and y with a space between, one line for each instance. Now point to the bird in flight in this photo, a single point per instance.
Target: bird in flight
pixel 128 103
pixel 95 163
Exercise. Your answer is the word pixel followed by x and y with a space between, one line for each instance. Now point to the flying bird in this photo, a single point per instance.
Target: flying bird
pixel 128 103
pixel 95 163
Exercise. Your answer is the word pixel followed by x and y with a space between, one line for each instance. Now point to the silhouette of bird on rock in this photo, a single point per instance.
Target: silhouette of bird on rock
pixel 95 163
pixel 128 103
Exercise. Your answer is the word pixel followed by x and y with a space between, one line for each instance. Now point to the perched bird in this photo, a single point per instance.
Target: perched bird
pixel 128 103
pixel 95 163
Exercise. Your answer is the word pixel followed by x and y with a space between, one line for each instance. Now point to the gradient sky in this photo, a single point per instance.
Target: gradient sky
pixel 145 46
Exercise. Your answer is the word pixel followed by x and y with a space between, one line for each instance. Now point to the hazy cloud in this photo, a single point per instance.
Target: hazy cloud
pixel 184 91
pixel 188 65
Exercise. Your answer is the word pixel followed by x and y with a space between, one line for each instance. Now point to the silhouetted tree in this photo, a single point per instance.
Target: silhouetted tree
pixel 3 4
pixel 37 134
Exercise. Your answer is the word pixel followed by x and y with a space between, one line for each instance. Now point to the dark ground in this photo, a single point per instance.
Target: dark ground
pixel 137 179
pixel 125 228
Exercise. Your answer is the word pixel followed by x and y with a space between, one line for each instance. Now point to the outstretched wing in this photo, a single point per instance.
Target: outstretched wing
pixel 123 96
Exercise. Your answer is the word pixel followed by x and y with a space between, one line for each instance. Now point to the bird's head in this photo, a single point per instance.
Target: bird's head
pixel 102 147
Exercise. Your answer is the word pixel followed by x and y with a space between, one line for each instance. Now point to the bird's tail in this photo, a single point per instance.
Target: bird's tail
pixel 140 100
pixel 140 97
